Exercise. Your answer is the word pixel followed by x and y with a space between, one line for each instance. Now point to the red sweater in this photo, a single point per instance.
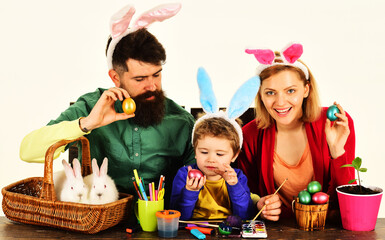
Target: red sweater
pixel 256 158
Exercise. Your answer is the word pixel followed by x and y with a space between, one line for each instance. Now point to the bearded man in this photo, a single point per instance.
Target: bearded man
pixel 155 140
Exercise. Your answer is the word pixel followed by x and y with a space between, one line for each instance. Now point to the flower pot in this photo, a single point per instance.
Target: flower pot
pixel 359 212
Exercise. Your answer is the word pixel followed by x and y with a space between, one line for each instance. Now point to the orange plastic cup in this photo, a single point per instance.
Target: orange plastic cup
pixel 168 223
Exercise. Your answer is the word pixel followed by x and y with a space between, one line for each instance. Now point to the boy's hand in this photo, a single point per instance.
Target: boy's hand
pixel 195 184
pixel 228 173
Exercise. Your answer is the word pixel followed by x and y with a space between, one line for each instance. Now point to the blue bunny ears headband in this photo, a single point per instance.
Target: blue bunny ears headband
pixel 239 103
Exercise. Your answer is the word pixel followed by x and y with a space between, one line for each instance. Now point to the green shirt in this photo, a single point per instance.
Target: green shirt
pixel 153 151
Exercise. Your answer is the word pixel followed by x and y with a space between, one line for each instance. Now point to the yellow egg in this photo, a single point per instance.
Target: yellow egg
pixel 129 106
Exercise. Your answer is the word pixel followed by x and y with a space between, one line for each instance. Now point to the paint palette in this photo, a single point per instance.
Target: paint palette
pixel 256 229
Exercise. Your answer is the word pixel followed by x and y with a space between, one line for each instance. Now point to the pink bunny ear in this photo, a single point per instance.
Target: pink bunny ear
pixel 159 14
pixel 263 56
pixel 293 52
pixel 121 20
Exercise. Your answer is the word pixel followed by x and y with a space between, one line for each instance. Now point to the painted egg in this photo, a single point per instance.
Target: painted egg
pixel 314 187
pixel 320 198
pixel 224 228
pixel 129 106
pixel 333 109
pixel 195 173
pixel 304 197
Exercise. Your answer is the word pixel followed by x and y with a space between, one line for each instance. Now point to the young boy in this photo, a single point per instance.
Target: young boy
pixel 223 190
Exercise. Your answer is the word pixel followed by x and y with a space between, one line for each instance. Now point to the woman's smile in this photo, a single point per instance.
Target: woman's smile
pixel 282 112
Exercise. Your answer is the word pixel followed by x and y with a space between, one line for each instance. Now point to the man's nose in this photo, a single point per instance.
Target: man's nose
pixel 151 84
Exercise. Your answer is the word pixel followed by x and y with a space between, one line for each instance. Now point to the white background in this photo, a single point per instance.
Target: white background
pixel 51 52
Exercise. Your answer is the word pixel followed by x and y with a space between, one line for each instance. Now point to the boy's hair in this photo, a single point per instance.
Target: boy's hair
pixel 140 45
pixel 311 105
pixel 217 127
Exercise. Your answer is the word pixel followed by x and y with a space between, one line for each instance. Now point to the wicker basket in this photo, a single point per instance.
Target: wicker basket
pixel 33 201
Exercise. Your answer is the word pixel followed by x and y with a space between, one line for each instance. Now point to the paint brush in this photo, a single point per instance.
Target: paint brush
pixel 265 204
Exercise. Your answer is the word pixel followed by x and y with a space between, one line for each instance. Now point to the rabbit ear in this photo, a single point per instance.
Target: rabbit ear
pixel 77 168
pixel 293 52
pixel 95 167
pixel 120 21
pixel 69 172
pixel 243 97
pixel 263 56
pixel 157 14
pixel 207 96
pixel 104 167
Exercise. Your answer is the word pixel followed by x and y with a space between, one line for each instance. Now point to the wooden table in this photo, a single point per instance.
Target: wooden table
pixel 284 229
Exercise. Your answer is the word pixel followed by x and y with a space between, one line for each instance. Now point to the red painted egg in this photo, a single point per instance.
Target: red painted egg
pixel 320 198
pixel 195 173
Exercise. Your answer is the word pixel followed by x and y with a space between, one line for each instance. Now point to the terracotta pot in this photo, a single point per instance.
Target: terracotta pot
pixel 359 212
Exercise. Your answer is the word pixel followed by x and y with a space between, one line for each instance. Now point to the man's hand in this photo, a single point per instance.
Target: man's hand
pixel 104 112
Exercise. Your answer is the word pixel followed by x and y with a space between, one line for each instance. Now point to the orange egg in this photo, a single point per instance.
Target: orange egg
pixel 129 106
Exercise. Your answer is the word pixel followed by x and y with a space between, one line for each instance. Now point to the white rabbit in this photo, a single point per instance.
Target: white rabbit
pixel 102 187
pixel 69 184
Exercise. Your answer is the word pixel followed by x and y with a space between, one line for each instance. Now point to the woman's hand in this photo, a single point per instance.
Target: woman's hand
pixel 103 113
pixel 273 207
pixel 337 133
pixel 195 184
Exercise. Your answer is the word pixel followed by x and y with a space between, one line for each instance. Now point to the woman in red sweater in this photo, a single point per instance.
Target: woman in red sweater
pixel 292 137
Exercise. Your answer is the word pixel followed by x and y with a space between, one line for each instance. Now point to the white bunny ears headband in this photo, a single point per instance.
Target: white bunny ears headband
pixel 120 21
pixel 239 103
pixel 289 56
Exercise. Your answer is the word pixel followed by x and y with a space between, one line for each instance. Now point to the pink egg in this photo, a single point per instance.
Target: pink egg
pixel 195 173
pixel 320 198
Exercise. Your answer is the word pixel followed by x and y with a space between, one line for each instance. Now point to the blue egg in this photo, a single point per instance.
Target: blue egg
pixel 331 111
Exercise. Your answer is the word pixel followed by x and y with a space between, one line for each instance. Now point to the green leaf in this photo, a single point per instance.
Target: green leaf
pixel 363 169
pixel 347 165
pixel 352 181
pixel 357 163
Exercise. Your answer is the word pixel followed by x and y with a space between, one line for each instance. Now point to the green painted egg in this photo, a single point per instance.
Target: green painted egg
pixel 304 197
pixel 314 187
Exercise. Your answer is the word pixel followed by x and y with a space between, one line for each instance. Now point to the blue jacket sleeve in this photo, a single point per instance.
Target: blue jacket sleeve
pixel 240 197
pixel 182 199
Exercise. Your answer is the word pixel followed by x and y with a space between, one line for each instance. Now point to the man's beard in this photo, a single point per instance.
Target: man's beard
pixel 149 112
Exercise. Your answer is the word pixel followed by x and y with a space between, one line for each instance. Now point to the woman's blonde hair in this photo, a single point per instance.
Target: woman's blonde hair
pixel 311 108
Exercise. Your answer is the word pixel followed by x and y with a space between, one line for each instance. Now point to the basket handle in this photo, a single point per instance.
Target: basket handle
pixel 48 191
pixel 293 204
